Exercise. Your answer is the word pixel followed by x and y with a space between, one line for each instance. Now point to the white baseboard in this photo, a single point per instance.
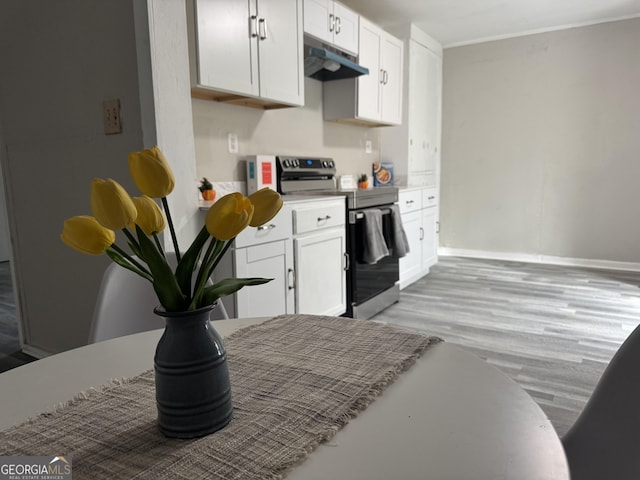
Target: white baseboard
pixel 535 258
pixel 35 351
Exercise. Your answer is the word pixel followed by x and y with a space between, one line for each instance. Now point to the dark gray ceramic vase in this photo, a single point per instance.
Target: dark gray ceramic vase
pixel 193 391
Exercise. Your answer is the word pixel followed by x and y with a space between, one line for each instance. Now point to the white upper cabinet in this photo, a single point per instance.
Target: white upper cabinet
pixel 423 127
pixel 391 82
pixel 248 53
pixel 376 98
pixel 333 23
pixel 414 147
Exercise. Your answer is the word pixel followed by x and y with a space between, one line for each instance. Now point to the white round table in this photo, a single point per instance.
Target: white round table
pixel 450 416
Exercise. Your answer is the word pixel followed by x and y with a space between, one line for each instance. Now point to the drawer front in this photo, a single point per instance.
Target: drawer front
pixel 264 251
pixel 410 200
pixel 318 217
pixel 278 228
pixel 429 197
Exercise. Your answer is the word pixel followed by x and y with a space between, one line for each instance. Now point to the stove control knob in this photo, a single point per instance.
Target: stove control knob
pixel 296 162
pixel 331 164
pixel 287 163
pixel 325 164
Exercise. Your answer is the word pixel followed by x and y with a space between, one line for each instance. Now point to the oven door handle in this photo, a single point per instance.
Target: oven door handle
pixel 356 215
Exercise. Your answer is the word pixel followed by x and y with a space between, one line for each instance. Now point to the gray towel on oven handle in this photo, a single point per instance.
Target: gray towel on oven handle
pixel 400 242
pixel 375 246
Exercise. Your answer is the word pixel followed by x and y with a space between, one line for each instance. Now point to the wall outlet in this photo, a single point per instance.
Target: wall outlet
pixel 111 116
pixel 368 146
pixel 232 142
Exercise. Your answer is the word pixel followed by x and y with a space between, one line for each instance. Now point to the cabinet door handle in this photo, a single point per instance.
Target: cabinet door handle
pixel 326 217
pixel 332 22
pixel 408 202
pixel 431 197
pixel 381 76
pixel 253 26
pixel 262 28
pixel 438 226
pixel 386 77
pixel 347 262
pixel 291 279
pixel 271 226
pixel 421 233
pixel 338 25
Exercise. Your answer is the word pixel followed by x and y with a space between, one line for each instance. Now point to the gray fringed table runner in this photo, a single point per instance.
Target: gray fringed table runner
pixel 296 380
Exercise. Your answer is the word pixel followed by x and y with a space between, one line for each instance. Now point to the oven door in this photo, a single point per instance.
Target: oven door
pixel 366 281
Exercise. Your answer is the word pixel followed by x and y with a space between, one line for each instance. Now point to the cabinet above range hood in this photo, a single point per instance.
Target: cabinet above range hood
pixel 324 65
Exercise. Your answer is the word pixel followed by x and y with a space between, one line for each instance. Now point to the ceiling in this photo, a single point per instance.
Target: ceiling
pixel 459 22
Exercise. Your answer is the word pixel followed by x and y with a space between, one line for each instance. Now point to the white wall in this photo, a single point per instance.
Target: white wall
pixel 541 145
pixel 166 105
pixel 288 131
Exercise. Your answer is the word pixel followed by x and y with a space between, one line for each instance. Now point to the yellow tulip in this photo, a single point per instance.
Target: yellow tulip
pixel 229 216
pixel 267 203
pixel 151 172
pixel 111 204
pixel 85 234
pixel 150 217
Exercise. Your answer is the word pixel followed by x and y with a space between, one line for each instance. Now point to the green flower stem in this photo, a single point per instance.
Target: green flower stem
pixel 131 238
pixel 165 205
pixel 210 266
pixel 212 250
pixel 158 244
pixel 218 257
pixel 206 258
pixel 133 261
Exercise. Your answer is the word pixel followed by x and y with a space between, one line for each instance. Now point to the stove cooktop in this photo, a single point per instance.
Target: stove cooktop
pixel 358 198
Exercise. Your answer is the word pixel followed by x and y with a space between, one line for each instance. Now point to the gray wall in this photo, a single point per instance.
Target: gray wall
pixel 60 60
pixel 541 145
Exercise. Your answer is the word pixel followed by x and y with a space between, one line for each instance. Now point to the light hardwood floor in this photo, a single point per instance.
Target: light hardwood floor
pixel 553 329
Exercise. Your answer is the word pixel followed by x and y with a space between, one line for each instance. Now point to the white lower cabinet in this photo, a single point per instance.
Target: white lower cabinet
pixel 430 238
pixel 320 280
pixel 270 260
pixel 411 264
pixel 419 213
pixel 319 246
pixel 303 251
pixel 266 252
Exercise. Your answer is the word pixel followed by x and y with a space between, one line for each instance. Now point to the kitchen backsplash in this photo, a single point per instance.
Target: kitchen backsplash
pixel 223 188
pixel 288 131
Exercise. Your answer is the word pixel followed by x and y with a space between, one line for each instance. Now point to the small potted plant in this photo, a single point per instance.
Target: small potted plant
pixel 363 181
pixel 206 189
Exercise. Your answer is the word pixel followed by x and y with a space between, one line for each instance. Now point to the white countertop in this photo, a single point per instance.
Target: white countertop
pixel 293 199
pixel 287 199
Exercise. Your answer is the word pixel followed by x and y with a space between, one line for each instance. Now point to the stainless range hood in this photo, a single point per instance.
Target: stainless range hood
pixel 324 65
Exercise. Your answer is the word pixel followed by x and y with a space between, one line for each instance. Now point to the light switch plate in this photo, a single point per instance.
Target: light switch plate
pixel 232 142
